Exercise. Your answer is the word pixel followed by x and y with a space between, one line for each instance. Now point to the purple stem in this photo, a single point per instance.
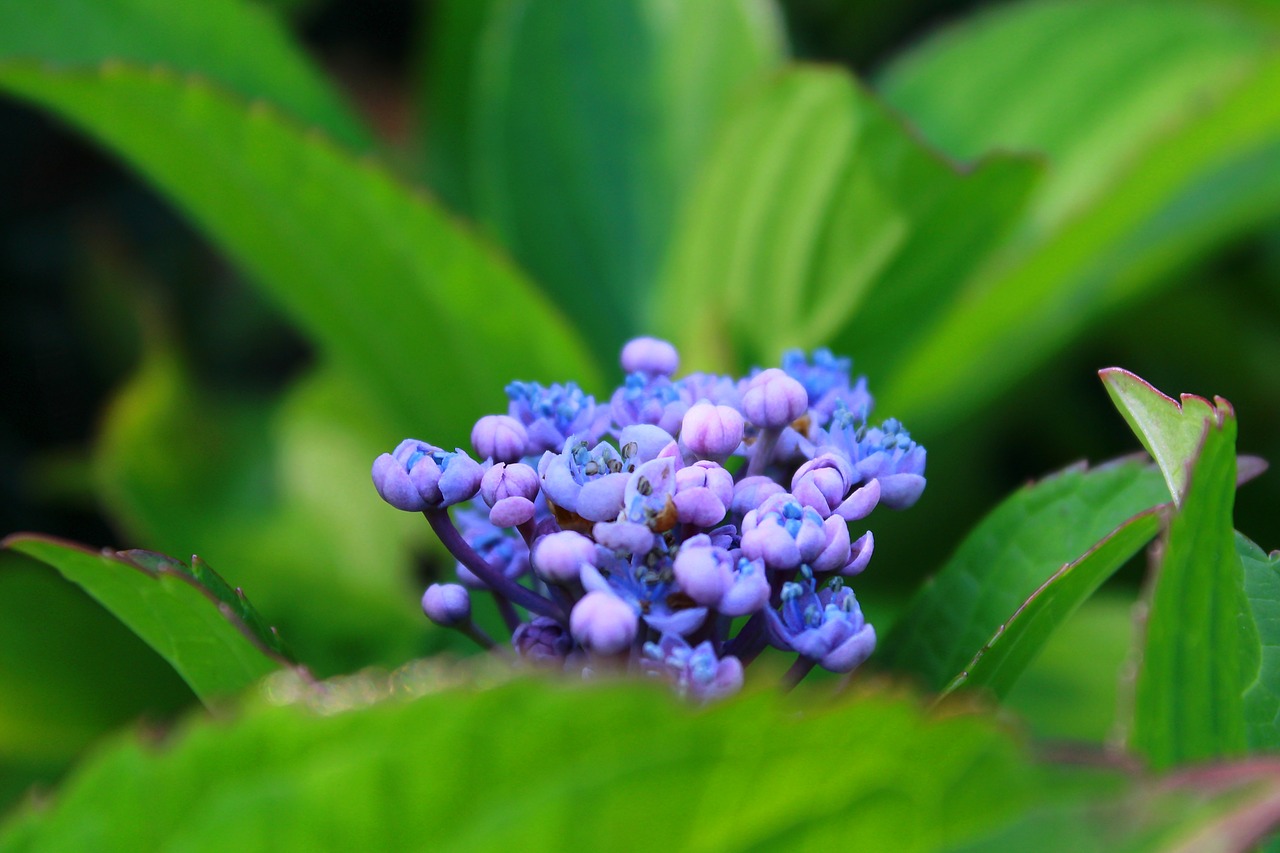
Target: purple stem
pixel 796 674
pixel 749 642
pixel 498 582
pixel 765 444
pixel 476 633
pixel 509 615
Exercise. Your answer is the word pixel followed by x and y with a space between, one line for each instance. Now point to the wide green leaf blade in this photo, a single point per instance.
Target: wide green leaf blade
pixel 530 766
pixel 1171 430
pixel 1262 696
pixel 1088 84
pixel 583 124
pixel 1013 551
pixel 69 673
pixel 1017 642
pixel 1180 158
pixel 817 207
pixel 1201 649
pixel 327 770
pixel 205 630
pixel 238 45
pixel 428 321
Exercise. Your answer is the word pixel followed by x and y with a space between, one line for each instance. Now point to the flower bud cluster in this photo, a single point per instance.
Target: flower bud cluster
pixel 678 529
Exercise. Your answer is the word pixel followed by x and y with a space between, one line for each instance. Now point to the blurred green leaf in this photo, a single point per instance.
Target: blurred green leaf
pixel 1201 650
pixel 282 495
pixel 1225 809
pixel 1171 430
pixel 238 45
pixel 571 129
pixel 1262 696
pixel 997 666
pixel 870 772
pixel 1011 553
pixel 69 673
pixel 1090 85
pixel 184 619
pixel 1161 132
pixel 1072 690
pixel 269 782
pixel 816 207
pixel 428 321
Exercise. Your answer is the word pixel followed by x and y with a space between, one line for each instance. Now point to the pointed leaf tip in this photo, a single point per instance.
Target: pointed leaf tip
pixel 1171 430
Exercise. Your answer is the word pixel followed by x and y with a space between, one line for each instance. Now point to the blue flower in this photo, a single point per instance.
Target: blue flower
pixel 553 414
pixel 826 380
pixel 885 453
pixel 648 587
pixel 646 399
pixel 826 627
pixel 695 671
pixel 418 476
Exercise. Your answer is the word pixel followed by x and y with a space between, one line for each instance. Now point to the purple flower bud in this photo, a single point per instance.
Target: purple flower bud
pixel 542 642
pixel 629 536
pixel 499 437
pixel 512 511
pixel 773 399
pixel 650 356
pixel 750 492
pixel 835 553
pixel 783 533
pixel 508 480
pixel 749 591
pixel 418 476
pixel 558 557
pixel 603 623
pixel 859 555
pixel 823 483
pixel 447 604
pixel 703 573
pixel 711 431
pixel 699 506
pixel 860 503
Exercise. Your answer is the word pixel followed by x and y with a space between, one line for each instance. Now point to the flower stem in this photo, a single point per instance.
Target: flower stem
pixel 442 524
pixel 765 444
pixel 796 674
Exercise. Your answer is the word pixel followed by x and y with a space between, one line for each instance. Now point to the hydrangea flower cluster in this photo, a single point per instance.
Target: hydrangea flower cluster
pixel 678 529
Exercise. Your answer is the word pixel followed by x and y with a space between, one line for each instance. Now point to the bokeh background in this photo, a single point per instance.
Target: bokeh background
pixel 125 335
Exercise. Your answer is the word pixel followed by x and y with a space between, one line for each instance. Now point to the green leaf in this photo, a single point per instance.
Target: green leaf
pixel 818 206
pixel 425 319
pixel 1071 692
pixel 208 38
pixel 203 636
pixel 69 673
pixel 1160 131
pixel 1109 79
pixel 1201 649
pixel 1017 642
pixel 1032 535
pixel 1262 697
pixel 284 498
pixel 1224 808
pixel 1170 430
pixel 577 127
pixel 569 776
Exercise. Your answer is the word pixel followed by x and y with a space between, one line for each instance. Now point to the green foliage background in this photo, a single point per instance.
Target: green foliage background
pixel 405 208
